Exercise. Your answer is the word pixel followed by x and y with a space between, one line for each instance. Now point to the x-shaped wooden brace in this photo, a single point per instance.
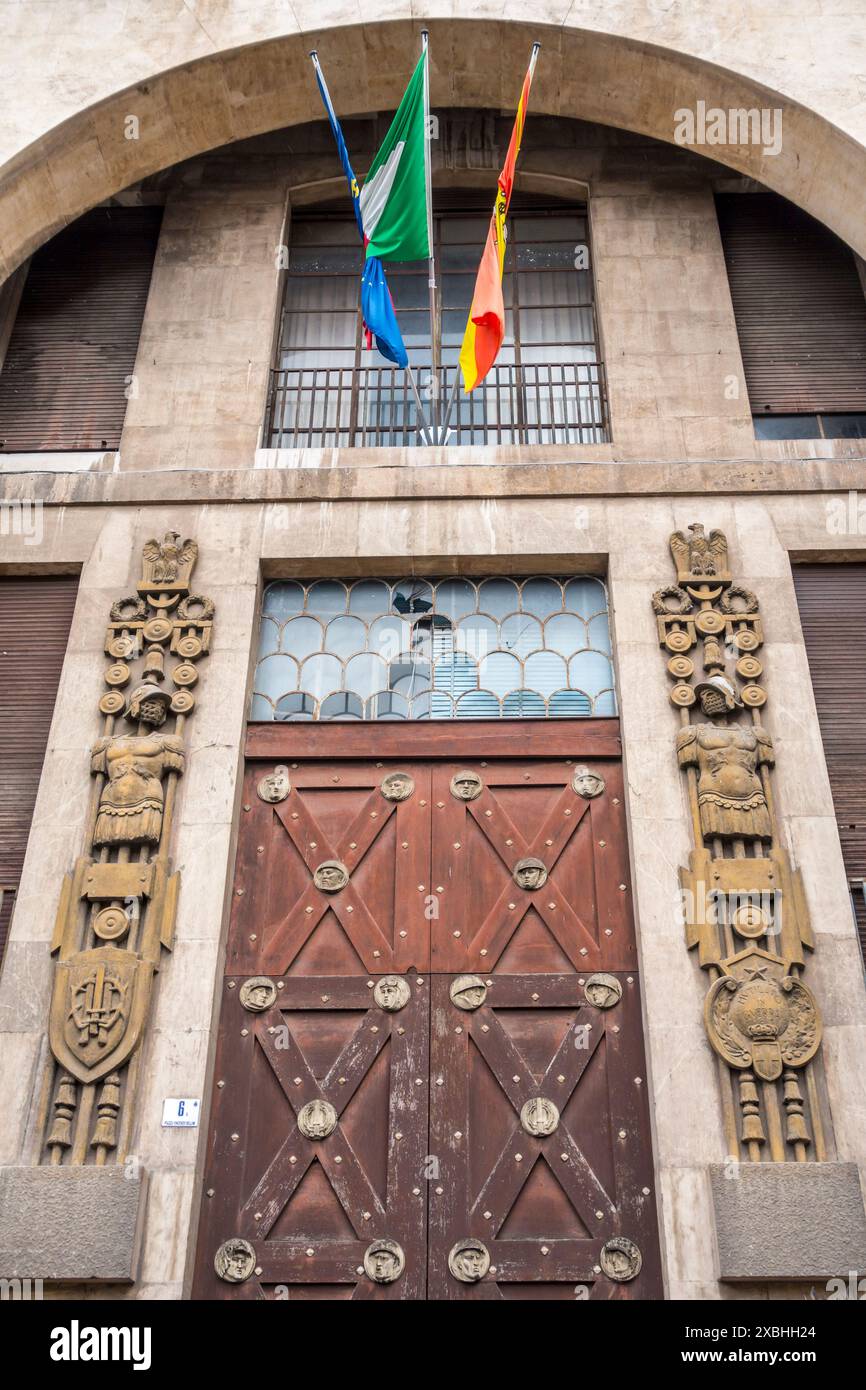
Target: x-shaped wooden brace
pixel 508 1176
pixel 287 938
pixel 502 921
pixel 347 1177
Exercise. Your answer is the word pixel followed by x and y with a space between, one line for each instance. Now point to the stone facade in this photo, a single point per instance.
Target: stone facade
pixel 191 460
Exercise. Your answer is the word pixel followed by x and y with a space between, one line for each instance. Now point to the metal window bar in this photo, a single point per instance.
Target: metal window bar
pixel 372 407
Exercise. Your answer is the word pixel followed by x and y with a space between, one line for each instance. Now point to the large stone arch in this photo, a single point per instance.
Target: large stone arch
pixel 244 91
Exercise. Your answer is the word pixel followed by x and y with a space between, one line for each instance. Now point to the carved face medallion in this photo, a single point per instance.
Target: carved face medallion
pixel 331 876
pixel 384 1261
pixel 530 874
pixel 317 1119
pixel 468 992
pixel 620 1259
pixel 391 993
pixel 397 786
pixel 235 1260
pixel 602 991
pixel 587 783
pixel 469 1261
pixel 258 994
pixel 276 786
pixel 466 785
pixel 539 1116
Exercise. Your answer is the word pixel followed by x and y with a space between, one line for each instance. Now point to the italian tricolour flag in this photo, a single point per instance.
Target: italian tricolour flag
pixel 394 203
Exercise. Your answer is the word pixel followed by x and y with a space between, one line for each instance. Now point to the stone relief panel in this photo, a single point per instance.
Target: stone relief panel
pixel 117 906
pixel 744 908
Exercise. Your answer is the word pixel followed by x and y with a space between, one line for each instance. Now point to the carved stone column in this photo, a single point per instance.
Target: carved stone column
pixel 114 923
pixel 745 913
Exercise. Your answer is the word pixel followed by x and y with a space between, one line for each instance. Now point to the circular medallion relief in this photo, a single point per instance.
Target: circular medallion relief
pixel 539 1116
pixel 620 1259
pixel 397 786
pixel 111 923
pixel 331 876
pixel 530 874
pixel 235 1260
pixel 391 993
pixel 587 783
pixel 468 992
pixel 317 1119
pixel 602 991
pixel 258 994
pixel 750 921
pixel 275 786
pixel 469 1260
pixel 466 785
pixel 384 1261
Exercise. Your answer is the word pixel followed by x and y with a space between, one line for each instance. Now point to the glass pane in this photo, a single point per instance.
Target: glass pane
pixel 320 231
pixel 545 672
pixel 283 599
pixel 311 294
pixel 555 226
pixel 455 674
pixel 367 674
pixel 320 675
pixel 269 637
pixel 521 634
pixel 786 427
pixel 569 704
pixel 478 704
pixel 369 597
pixel 586 597
pixel 556 326
pixel 590 671
pixel 565 633
pixel 547 255
pixel 343 706
pixel 327 598
pixel 605 704
pixel 524 704
pixel 319 330
pixel 500 672
pixel 387 705
pixel 327 258
pixel 409 292
pixel 301 636
pixel 276 675
pixel 455 598
pixel 413 596
pixel 555 287
pixel 542 596
pixel 471 229
pixel 477 636
pixel 292 707
pixel 345 636
pixel 599 633
pixel 498 597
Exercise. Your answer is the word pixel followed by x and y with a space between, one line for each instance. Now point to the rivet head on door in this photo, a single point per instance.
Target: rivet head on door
pixel 469 1260
pixel 602 991
pixel 317 1119
pixel 384 1261
pixel 587 783
pixel 258 994
pixel 530 874
pixel 620 1259
pixel 276 786
pixel 466 785
pixel 235 1260
pixel 539 1116
pixel 397 786
pixel 468 992
pixel 391 993
pixel 331 876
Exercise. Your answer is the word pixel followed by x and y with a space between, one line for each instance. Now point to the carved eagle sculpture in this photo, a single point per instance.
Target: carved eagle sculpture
pixel 698 554
pixel 168 558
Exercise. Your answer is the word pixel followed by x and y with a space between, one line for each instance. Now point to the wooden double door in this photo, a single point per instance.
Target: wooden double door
pixel 430 1078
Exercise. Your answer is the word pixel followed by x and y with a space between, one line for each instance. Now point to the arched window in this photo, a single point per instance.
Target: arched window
pixel 329 389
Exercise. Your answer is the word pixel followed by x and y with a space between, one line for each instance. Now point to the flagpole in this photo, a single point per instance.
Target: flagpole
pixel 533 58
pixel 424 427
pixel 431 277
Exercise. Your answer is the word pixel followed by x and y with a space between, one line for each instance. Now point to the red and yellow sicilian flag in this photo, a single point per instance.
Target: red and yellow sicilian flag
pixel 485 328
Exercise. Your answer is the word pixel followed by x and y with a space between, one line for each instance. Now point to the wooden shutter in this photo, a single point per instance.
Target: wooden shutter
pixel 35 617
pixel 799 306
pixel 75 337
pixel 832 601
